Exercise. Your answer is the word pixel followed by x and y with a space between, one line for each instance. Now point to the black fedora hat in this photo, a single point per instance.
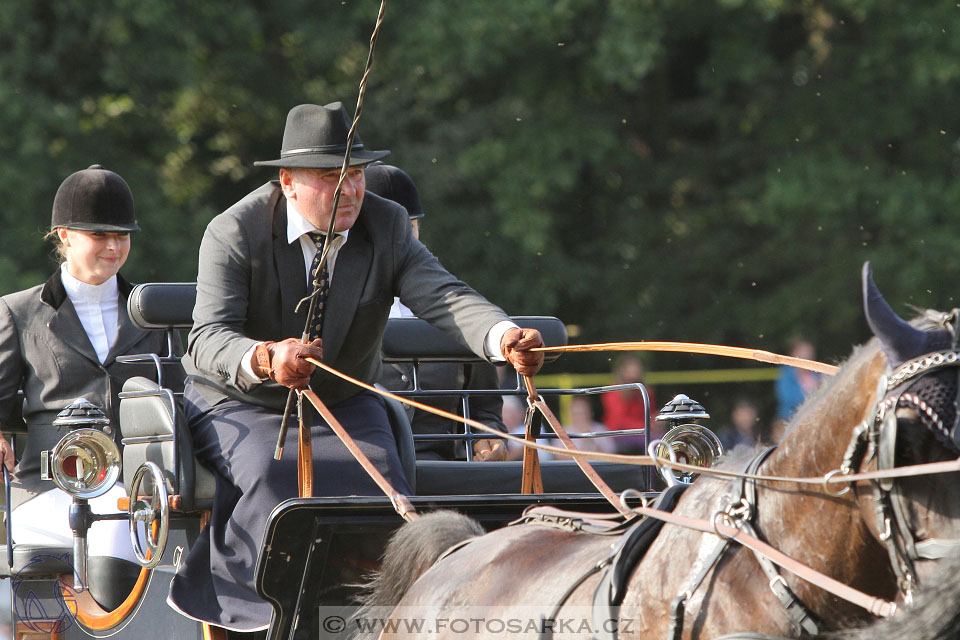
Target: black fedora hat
pixel 94 199
pixel 394 184
pixel 315 137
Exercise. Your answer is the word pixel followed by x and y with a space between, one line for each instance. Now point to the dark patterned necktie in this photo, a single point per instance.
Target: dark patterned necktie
pixel 323 286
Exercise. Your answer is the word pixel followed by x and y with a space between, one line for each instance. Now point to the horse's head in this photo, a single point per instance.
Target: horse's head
pixel 916 421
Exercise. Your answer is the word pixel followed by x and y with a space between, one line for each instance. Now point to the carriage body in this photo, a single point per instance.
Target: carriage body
pixel 312 546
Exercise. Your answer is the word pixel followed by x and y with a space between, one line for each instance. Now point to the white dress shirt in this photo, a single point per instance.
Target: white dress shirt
pixel 298 228
pixel 98 307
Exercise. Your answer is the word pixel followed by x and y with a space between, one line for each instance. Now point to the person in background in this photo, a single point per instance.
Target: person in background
pixel 794 384
pixel 582 421
pixel 625 409
pixel 395 184
pixel 60 341
pixel 744 423
pixel 514 412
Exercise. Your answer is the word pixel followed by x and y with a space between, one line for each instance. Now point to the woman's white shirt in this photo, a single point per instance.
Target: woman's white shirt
pixel 98 306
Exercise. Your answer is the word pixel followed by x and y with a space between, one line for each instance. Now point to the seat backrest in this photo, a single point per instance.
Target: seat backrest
pixel 162 305
pixel 407 339
pixel 403 434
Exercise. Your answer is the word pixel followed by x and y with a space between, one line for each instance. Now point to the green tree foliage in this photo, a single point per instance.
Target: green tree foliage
pixel 645 169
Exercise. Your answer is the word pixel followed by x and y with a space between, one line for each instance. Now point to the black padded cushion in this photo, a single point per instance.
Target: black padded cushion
pixel 37 560
pixel 160 305
pixel 412 338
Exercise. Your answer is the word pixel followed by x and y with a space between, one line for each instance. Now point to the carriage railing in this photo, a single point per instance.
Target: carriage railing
pixel 470 436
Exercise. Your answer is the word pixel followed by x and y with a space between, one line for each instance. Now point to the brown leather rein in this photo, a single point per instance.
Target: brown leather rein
pixel 835 477
pixel 697 347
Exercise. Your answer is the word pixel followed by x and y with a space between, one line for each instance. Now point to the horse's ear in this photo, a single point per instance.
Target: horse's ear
pixel 900 341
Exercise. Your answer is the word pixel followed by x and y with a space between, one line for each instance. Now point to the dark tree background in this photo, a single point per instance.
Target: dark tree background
pixel 643 169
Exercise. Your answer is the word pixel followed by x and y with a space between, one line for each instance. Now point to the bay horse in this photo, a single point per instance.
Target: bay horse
pixel 881 537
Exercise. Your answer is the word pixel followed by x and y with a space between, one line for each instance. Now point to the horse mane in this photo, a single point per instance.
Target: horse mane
pixel 411 550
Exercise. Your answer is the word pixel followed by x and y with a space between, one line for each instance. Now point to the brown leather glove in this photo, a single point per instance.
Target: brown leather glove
pixel 515 344
pixel 283 362
pixel 6 454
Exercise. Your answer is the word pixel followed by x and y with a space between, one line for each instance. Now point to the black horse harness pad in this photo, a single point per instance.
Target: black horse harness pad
pixel 628 553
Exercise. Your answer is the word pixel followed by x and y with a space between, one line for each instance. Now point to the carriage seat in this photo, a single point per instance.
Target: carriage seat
pixel 153 424
pixel 155 430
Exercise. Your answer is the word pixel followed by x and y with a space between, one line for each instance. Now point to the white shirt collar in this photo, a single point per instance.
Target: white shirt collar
pixel 297 225
pixel 94 293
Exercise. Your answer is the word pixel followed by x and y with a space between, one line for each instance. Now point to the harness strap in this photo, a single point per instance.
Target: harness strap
pixel 547 630
pixel 624 558
pixel 928 468
pixel 876 606
pixel 585 466
pixel 531 480
pixel 798 613
pixel 401 504
pixel 573 523
pixel 801 618
pixel 712 547
pixel 304 455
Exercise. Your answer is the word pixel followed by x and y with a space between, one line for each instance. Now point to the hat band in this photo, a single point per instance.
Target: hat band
pixel 330 148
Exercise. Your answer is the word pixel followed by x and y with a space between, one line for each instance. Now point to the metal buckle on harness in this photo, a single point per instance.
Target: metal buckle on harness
pixel 778 579
pixel 886 533
pixel 743 511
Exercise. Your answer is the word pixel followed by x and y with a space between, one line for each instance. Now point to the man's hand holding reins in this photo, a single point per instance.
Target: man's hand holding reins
pixel 6 454
pixel 284 362
pixel 515 345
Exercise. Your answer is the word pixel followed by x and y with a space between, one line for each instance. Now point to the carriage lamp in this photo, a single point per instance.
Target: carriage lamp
pixel 86 461
pixel 685 440
pixel 86 464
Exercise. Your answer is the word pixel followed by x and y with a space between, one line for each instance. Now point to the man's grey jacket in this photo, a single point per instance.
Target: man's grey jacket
pixel 250 280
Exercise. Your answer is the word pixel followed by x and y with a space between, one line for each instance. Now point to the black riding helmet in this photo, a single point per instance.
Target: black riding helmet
pixel 94 199
pixel 394 184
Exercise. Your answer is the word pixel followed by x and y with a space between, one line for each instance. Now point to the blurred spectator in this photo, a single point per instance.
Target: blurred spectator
pixel 625 409
pixel 794 384
pixel 582 421
pixel 514 411
pixel 744 425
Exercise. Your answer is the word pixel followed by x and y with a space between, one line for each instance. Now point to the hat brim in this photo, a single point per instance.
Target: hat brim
pixel 106 228
pixel 323 160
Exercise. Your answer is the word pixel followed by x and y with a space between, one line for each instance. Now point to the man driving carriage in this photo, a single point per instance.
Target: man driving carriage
pixel 256 260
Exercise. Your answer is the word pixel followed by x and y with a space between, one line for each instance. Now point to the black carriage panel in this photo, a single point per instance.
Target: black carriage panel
pixel 316 551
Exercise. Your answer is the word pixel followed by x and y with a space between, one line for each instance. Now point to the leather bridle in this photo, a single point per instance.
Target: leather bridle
pixel 876 438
